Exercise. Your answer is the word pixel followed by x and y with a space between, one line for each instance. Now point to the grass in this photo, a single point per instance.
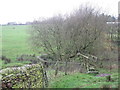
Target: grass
pixel 15 42
pixel 80 80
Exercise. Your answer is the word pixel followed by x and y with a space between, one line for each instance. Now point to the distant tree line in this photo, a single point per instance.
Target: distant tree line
pixel 15 23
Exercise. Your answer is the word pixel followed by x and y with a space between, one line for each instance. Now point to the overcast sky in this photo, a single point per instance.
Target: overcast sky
pixel 28 10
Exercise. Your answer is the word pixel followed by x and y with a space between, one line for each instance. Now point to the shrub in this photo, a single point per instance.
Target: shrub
pixel 5 59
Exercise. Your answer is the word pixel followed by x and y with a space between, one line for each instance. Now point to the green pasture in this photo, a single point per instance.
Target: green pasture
pixel 15 42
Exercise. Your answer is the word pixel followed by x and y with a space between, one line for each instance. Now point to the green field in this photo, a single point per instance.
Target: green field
pixel 80 80
pixel 15 42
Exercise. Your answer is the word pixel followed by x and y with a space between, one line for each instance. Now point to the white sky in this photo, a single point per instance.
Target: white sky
pixel 28 10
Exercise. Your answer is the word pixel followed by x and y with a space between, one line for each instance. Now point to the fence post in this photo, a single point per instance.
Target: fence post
pixel 66 67
pixel 45 78
pixel 56 70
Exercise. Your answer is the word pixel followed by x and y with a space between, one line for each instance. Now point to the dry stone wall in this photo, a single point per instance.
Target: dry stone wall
pixel 28 76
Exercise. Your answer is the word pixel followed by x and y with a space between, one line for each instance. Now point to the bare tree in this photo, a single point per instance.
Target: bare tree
pixel 64 36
